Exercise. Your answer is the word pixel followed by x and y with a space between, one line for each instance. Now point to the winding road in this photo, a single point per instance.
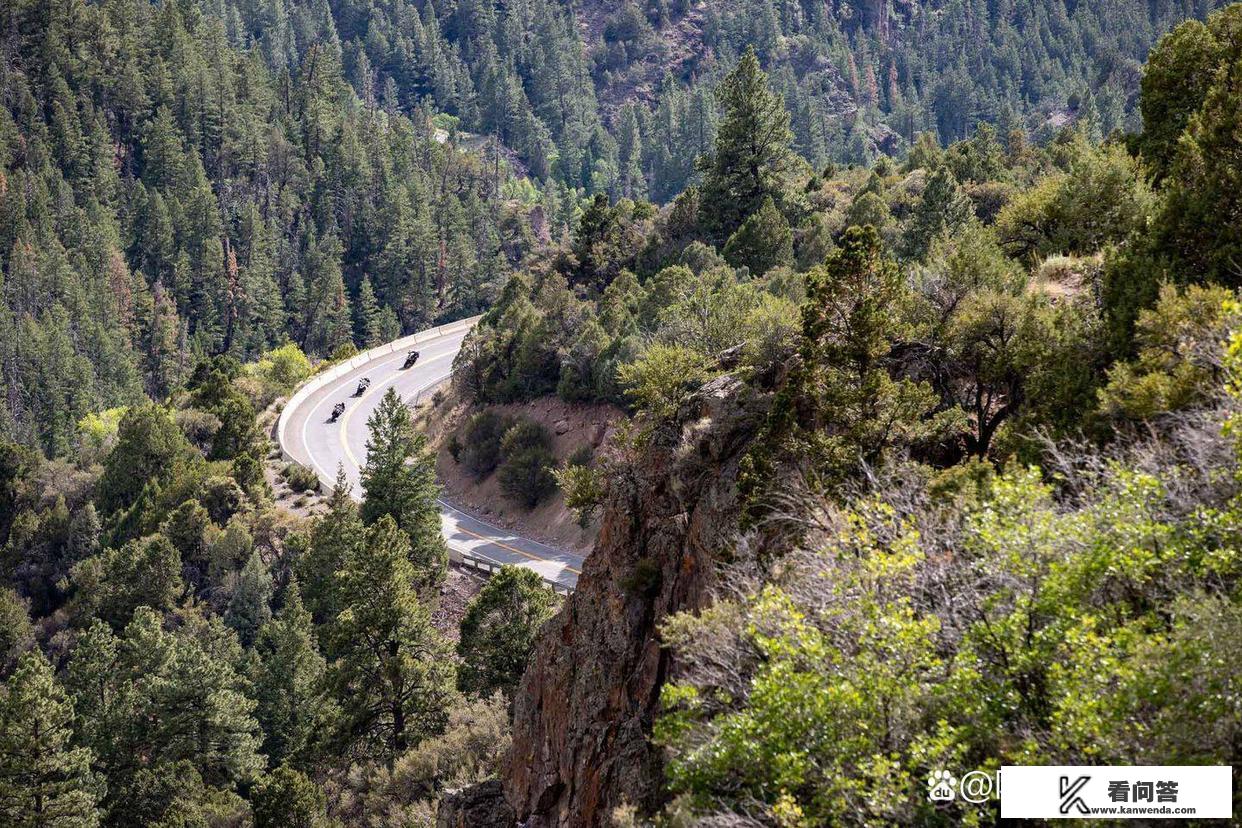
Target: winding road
pixel 305 435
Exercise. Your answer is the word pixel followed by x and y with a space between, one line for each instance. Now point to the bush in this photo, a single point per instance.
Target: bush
pixel 526 477
pixel 300 478
pixel 480 442
pixel 524 434
pixel 583 488
pixel 527 464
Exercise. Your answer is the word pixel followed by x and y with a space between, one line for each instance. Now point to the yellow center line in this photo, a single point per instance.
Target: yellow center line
pixel 353 459
pixel 522 552
pixel 372 390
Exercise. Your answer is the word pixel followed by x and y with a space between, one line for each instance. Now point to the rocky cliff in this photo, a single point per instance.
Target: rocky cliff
pixel 584 711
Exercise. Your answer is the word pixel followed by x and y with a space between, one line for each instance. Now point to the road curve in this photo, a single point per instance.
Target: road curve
pixel 305 435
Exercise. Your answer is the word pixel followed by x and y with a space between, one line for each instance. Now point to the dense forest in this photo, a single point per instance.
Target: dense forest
pixel 970 269
pixel 987 405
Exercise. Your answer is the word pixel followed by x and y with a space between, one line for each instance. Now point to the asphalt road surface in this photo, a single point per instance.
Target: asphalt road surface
pixel 324 446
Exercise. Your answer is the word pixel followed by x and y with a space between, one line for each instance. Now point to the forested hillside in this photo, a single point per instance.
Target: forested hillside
pixel 168 194
pixel 930 458
pixel 192 179
pixel 933 464
pixel 617 97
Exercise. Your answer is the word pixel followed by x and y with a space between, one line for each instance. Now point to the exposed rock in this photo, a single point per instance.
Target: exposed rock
pixel 584 711
pixel 560 427
pixel 478 806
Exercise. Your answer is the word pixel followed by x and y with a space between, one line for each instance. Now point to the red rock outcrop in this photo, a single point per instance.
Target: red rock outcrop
pixel 584 711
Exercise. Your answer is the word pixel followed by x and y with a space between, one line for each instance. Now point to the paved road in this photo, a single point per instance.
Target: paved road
pixel 309 438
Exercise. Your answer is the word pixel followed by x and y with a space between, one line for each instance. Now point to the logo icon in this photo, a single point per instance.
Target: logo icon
pixel 1070 794
pixel 941 786
pixel 977 786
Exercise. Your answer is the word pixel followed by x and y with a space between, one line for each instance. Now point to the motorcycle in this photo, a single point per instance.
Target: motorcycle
pixel 363 385
pixel 410 359
pixel 337 411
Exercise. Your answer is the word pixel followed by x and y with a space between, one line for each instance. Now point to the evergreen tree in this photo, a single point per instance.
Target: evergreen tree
pixel 250 606
pixel 499 630
pixel 331 539
pixel 391 671
pixel 294 709
pixel 749 161
pixel 764 241
pixel 841 405
pixel 286 798
pixel 45 782
pixel 941 210
pixel 399 481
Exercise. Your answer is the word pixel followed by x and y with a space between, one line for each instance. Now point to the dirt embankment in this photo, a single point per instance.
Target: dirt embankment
pixel 571 427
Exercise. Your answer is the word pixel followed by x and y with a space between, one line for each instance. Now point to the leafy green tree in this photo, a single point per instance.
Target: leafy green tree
pixel 1102 200
pixel 764 241
pixel 399 480
pixel 499 630
pixel 390 670
pixel 45 781
pixel 1177 364
pixel 748 164
pixel 663 379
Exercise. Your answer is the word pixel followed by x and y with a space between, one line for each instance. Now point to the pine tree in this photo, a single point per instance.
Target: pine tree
pixel 499 630
pixel 399 480
pixel 941 210
pixel 250 606
pixel 286 798
pixel 764 241
pixel 331 539
pixel 392 672
pixel 367 321
pixel 294 709
pixel 749 160
pixel 45 782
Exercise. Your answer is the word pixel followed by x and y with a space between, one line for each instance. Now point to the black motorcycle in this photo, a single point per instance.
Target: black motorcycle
pixel 337 411
pixel 410 359
pixel 363 385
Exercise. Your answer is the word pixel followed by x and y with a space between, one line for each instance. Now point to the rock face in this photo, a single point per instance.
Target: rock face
pixel 585 707
pixel 479 805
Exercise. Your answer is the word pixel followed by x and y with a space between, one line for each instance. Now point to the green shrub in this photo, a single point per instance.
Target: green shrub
pixel 526 477
pixel 480 442
pixel 300 478
pixel 584 489
pixel 524 434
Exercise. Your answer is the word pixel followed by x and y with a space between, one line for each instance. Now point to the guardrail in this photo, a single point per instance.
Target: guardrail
pixel 463 557
pixel 332 372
